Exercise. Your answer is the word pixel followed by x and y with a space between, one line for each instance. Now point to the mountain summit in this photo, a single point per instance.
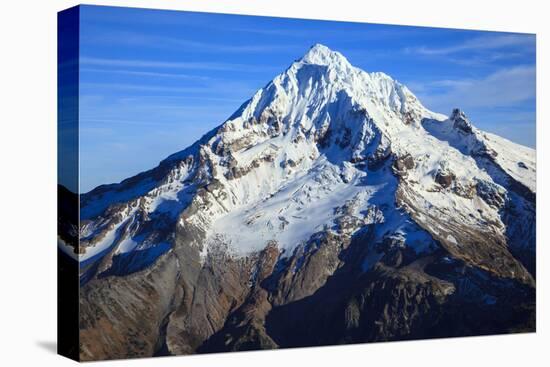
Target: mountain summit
pixel 322 55
pixel 330 186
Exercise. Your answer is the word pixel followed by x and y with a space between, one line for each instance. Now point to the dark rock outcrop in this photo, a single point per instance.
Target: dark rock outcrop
pixel 461 122
pixel 444 178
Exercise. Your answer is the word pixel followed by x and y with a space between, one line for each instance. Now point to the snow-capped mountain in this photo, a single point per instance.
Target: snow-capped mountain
pixel 331 186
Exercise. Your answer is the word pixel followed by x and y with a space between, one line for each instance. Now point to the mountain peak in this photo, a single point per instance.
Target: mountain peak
pixel 328 182
pixel 322 55
pixel 460 121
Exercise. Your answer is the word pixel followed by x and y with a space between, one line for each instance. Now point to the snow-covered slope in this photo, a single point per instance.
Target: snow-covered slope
pixel 331 186
pixel 317 136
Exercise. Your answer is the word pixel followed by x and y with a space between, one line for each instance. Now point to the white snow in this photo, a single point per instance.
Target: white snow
pixel 103 244
pixel 290 215
pixel 293 182
pixel 511 155
pixel 451 239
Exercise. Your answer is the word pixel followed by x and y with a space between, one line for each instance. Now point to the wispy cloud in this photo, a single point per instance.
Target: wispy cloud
pixel 178 99
pixel 215 89
pixel 477 44
pixel 134 63
pixel 343 32
pixel 145 73
pixel 503 88
pixel 141 88
pixel 218 48
pixel 132 38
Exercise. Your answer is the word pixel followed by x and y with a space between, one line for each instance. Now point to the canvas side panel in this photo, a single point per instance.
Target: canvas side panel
pixel 67 183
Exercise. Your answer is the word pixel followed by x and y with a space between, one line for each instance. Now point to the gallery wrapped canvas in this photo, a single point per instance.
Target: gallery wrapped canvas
pixel 232 182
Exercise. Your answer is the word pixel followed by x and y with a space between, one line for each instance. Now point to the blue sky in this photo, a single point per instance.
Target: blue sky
pixel 153 81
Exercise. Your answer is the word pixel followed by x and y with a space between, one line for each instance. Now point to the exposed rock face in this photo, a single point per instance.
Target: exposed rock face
pixel 121 317
pixel 444 178
pixel 460 122
pixel 491 193
pixel 331 208
pixel 402 164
